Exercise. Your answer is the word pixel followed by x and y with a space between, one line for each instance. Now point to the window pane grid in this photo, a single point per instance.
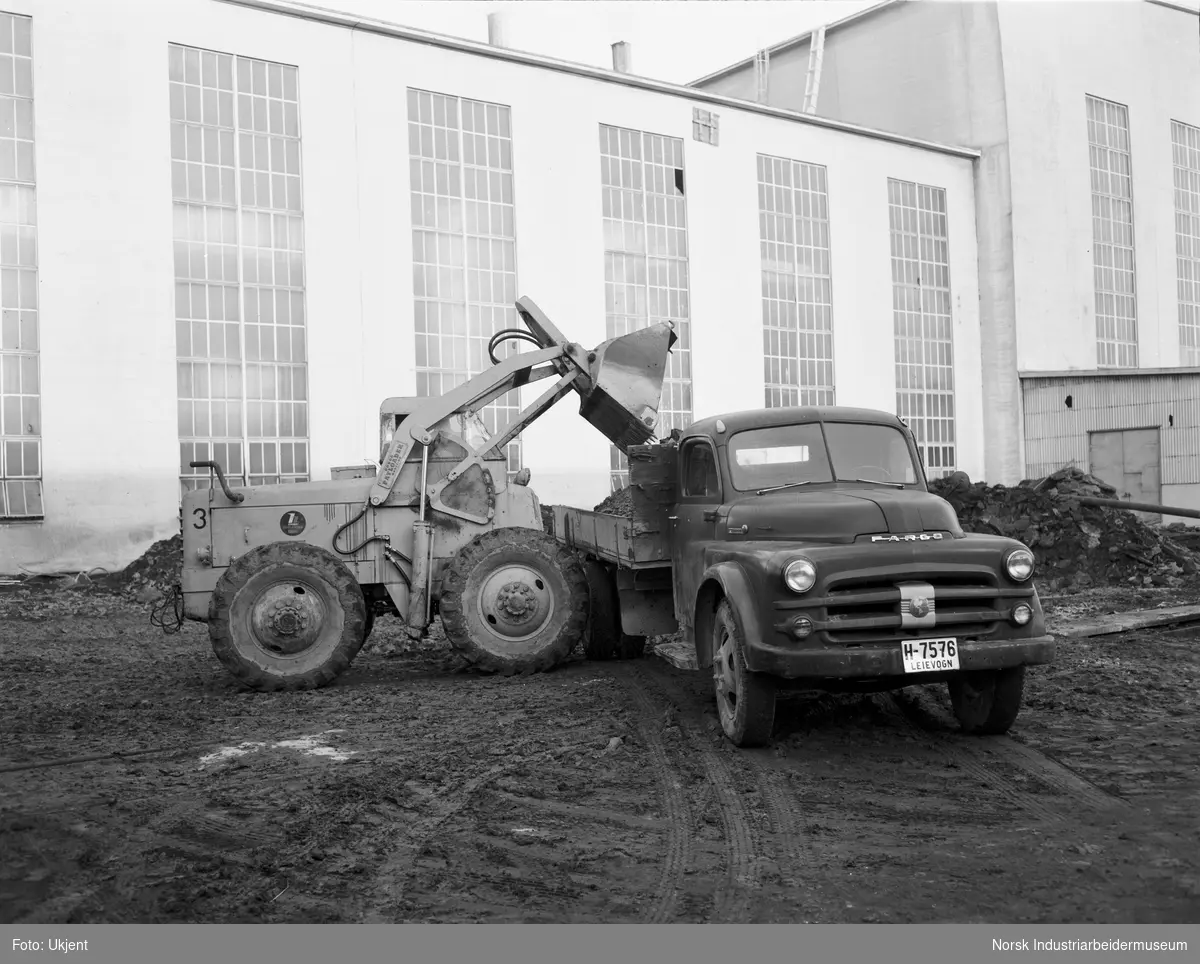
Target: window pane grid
pixel 1112 234
pixel 1185 145
pixel 20 376
pixel 464 245
pixel 793 207
pixel 646 258
pixel 239 268
pixel 924 343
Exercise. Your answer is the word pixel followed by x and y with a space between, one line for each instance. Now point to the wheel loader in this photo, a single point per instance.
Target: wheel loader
pixel 290 577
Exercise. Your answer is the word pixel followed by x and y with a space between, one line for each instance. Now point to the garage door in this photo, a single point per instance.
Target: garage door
pixel 1129 461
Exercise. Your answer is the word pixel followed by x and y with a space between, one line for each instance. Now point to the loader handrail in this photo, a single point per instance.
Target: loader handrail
pixel 229 493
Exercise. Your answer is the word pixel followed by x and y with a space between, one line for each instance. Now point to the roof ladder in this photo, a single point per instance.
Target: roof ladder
pixel 762 63
pixel 816 57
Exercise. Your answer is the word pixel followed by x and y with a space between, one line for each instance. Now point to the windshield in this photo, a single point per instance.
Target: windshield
pixel 787 454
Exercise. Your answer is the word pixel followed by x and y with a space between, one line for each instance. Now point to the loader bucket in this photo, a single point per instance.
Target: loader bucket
pixel 627 376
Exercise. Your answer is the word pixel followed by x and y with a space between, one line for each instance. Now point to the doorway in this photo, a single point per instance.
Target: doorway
pixel 1130 461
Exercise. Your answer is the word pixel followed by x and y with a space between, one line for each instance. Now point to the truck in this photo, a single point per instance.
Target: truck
pixel 290 577
pixel 800 548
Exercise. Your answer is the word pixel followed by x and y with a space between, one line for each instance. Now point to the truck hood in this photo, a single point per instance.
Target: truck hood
pixel 838 515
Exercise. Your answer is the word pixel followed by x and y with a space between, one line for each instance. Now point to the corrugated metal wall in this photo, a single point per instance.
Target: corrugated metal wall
pixel 1056 436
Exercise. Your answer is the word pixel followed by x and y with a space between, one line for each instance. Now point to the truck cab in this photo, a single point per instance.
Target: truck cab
pixel 806 549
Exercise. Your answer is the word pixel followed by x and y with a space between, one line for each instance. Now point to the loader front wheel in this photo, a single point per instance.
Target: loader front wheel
pixel 514 601
pixel 287 616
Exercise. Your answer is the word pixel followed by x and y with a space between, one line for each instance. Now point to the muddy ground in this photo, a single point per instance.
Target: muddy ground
pixel 410 791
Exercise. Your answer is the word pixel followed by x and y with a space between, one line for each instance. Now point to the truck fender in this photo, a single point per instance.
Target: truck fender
pixel 725 580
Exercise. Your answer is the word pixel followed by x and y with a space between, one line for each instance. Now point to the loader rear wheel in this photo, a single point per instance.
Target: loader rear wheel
pixel 514 601
pixel 287 616
pixel 605 638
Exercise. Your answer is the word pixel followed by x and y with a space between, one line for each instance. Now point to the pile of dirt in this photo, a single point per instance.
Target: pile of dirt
pixel 158 568
pixel 1187 536
pixel 1076 545
pixel 619 503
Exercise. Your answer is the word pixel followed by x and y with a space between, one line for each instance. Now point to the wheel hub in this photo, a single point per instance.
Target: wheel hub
pixel 515 602
pixel 286 618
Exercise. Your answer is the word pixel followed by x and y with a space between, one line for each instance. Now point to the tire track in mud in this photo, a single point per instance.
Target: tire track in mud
pixel 786 820
pixel 397 867
pixel 910 719
pixel 1055 775
pixel 679 816
pixel 731 903
pixel 930 718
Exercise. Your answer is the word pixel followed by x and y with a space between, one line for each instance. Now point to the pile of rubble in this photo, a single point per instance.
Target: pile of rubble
pixel 619 503
pixel 157 570
pixel 1076 545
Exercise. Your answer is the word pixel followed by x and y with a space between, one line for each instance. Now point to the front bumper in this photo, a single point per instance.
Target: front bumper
pixel 885 659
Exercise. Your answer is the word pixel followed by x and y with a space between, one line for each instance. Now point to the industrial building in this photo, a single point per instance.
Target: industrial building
pixel 232 229
pixel 1087 116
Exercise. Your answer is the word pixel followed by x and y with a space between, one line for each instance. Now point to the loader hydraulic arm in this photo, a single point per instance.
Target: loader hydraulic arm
pixel 557 356
pixel 619 383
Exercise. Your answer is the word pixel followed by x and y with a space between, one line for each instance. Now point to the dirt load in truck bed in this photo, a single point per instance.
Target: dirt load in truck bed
pixel 619 503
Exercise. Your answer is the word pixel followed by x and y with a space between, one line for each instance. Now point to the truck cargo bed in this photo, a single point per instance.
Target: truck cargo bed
pixel 641 540
pixel 616 539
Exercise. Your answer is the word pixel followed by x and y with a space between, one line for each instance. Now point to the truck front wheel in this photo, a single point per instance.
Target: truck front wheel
pixel 988 701
pixel 745 700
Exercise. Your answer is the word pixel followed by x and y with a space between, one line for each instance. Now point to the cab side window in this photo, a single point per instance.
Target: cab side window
pixel 700 478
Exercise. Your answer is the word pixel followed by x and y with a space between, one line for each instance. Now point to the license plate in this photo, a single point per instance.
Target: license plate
pixel 930 655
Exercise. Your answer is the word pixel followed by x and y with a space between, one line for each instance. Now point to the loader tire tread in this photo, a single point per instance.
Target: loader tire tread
pixel 540 547
pixel 342 580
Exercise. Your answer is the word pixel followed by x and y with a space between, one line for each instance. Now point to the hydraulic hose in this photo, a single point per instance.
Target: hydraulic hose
pixel 509 334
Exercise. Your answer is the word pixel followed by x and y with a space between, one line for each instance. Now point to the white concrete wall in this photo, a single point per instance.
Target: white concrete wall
pixel 1138 54
pixel 104 196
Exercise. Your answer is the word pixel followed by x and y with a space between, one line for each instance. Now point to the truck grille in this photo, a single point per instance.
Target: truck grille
pixel 863 609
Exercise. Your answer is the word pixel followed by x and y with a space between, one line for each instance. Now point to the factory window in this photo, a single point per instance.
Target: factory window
pixel 464 245
pixel 1112 235
pixel 924 341
pixel 1185 143
pixel 646 258
pixel 705 126
pixel 20 388
pixel 793 218
pixel 239 268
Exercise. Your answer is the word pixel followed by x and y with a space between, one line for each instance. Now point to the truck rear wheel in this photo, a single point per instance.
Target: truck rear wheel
pixel 514 601
pixel 745 700
pixel 987 702
pixel 605 638
pixel 286 616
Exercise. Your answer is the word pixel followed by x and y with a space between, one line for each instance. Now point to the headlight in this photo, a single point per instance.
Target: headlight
pixel 1022 614
pixel 800 575
pixel 1019 564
